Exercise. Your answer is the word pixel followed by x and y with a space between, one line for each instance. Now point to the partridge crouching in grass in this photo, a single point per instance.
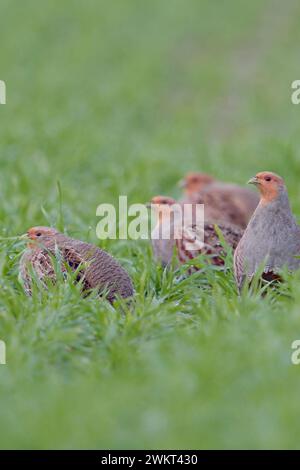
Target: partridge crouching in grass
pixel 223 202
pixel 272 239
pixel 94 268
pixel 175 233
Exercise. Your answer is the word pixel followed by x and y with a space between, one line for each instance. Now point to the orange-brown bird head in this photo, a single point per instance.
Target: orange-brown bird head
pixel 41 234
pixel 162 205
pixel 194 182
pixel 269 185
pixel 163 201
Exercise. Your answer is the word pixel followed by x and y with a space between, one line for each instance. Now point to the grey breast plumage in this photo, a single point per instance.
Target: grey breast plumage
pixel 270 242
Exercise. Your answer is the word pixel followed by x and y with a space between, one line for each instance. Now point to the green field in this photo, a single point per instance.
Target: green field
pixel 123 98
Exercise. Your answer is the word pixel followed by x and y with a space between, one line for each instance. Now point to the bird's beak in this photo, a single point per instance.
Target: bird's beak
pixel 181 184
pixel 253 180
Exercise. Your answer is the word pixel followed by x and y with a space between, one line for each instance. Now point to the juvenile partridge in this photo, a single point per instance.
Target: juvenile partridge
pixel 95 268
pixel 223 202
pixel 272 238
pixel 175 233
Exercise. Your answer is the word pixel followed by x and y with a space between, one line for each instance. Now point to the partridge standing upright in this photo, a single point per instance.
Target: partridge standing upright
pixel 272 238
pixel 95 268
pixel 223 202
pixel 163 236
pixel 174 232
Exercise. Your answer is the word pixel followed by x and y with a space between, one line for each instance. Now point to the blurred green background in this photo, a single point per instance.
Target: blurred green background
pixel 125 97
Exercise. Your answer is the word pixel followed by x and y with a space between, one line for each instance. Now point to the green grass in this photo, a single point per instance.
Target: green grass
pixel 125 97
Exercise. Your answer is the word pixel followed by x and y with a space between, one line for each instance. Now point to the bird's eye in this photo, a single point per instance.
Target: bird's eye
pixel 39 234
pixel 268 178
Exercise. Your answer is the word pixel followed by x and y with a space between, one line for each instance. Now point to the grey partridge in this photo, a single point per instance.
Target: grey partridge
pixel 271 240
pixel 182 236
pixel 94 268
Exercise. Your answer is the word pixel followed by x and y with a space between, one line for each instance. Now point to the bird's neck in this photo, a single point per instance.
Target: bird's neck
pixel 272 211
pixel 278 201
